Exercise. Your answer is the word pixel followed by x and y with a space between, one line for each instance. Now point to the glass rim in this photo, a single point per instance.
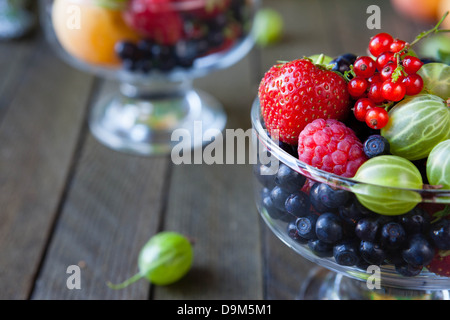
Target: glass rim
pixel 327 177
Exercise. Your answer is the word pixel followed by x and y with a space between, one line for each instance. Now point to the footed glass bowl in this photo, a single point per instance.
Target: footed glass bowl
pixel 291 196
pixel 154 49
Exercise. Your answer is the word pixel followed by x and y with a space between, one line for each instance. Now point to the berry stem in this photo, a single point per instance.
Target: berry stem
pixel 433 30
pixel 126 283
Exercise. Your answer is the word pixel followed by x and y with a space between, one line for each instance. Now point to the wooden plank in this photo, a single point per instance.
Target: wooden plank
pixel 112 208
pixel 15 57
pixel 214 205
pixel 38 137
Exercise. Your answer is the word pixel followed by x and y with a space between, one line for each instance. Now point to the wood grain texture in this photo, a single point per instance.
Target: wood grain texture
pixel 38 135
pixel 213 205
pixel 112 208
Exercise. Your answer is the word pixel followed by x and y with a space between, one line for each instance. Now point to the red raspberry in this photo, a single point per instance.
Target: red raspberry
pixel 331 146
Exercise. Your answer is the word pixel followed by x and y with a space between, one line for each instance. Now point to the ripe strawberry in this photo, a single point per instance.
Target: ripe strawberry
pixel 440 263
pixel 155 19
pixel 295 93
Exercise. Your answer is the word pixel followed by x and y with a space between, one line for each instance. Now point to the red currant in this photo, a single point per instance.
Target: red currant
pixel 375 92
pixel 393 91
pixel 361 108
pixel 411 64
pixel 380 43
pixel 364 67
pixel 388 70
pixel 357 87
pixel 397 45
pixel 413 84
pixel 377 118
pixel 375 78
pixel 383 59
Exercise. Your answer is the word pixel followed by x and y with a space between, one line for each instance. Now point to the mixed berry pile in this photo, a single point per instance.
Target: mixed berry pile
pixel 381 119
pixel 174 37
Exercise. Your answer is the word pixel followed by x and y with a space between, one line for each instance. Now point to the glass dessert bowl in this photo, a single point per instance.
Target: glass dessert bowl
pixel 319 215
pixel 154 49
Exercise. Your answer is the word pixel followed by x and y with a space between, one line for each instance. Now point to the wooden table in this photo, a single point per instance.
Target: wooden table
pixel 67 200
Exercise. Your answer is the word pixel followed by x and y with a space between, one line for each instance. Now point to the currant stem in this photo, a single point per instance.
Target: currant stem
pixel 434 30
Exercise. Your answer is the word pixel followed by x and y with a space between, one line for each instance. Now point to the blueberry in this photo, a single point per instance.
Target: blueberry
pixel 394 256
pixel 288 179
pixel 392 235
pixel 163 57
pixel 145 48
pixel 126 50
pixel 306 226
pixel 372 252
pixel 376 145
pixel 350 57
pixel 272 210
pixel 144 65
pixel 408 270
pixel 314 197
pixel 186 53
pixel 353 211
pixel 298 204
pixel 428 60
pixel 292 150
pixel 343 62
pixel 346 253
pixel 440 234
pixel 279 197
pixel 215 38
pixel 367 229
pixel 293 233
pixel 324 198
pixel 329 228
pixel 415 221
pixel 418 251
pixel 265 175
pixel 320 248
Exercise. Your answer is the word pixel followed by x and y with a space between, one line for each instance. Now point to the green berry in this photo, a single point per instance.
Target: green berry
pixel 386 183
pixel 268 27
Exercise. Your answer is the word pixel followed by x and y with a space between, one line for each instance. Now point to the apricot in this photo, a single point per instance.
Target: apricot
pixel 89 32
pixel 424 11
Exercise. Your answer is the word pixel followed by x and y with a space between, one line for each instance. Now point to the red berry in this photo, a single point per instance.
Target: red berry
pixel 383 59
pixel 361 108
pixel 295 93
pixel 375 78
pixel 440 263
pixel 364 67
pixel 413 84
pixel 397 45
pixel 411 64
pixel 388 70
pixel 331 146
pixel 380 43
pixel 393 91
pixel 377 118
pixel 155 19
pixel 375 92
pixel 357 87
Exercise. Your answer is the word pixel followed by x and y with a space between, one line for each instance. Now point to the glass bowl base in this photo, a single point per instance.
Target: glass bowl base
pixel 154 125
pixel 324 284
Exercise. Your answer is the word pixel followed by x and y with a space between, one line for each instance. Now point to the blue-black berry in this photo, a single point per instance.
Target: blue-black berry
pixel 376 145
